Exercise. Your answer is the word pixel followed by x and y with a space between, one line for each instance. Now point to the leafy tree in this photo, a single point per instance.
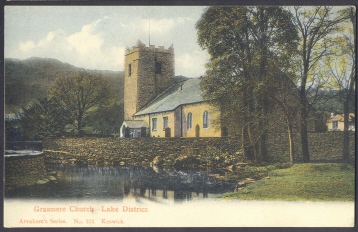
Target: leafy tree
pixel 13 128
pixel 79 92
pixel 46 117
pixel 106 120
pixel 286 107
pixel 342 68
pixel 247 45
pixel 314 26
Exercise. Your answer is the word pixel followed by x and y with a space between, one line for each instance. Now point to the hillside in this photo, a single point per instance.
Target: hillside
pixel 26 80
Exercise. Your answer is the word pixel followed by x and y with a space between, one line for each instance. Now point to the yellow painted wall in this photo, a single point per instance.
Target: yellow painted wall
pixel 160 132
pixel 340 126
pixel 339 118
pixel 177 121
pixel 197 111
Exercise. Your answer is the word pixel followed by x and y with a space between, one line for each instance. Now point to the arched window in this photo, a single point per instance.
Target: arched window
pixel 189 122
pixel 205 119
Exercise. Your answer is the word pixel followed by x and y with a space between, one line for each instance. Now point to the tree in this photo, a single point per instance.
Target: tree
pixel 314 26
pixel 45 117
pixel 79 92
pixel 13 128
pixel 106 120
pixel 343 70
pixel 244 42
pixel 286 98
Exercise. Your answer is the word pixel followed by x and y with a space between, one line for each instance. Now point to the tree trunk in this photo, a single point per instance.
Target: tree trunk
pixel 246 148
pixel 304 134
pixel 345 149
pixel 263 78
pixel 348 98
pixel 79 123
pixel 290 142
pixel 263 121
pixel 346 109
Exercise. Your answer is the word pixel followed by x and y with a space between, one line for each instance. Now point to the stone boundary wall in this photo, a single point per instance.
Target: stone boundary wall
pixel 133 151
pixel 325 147
pixel 24 170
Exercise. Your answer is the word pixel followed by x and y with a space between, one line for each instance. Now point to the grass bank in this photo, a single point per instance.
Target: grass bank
pixel 302 182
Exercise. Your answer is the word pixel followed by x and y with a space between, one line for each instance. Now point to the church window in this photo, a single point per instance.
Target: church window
pixel 205 119
pixel 165 122
pixel 129 69
pixel 154 124
pixel 189 121
pixel 158 68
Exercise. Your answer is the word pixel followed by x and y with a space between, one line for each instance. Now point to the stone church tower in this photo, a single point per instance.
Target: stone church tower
pixel 148 71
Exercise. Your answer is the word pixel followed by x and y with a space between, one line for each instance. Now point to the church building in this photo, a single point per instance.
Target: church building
pixel 158 104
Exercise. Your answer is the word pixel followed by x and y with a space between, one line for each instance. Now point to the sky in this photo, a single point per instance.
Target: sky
pixel 95 37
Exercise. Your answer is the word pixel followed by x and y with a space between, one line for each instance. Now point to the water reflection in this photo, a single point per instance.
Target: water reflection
pixel 119 182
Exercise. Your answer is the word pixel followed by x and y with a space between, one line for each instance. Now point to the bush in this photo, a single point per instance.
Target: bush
pixel 283 165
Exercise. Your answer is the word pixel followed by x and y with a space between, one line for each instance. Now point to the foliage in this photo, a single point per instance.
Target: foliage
pixel 308 182
pixel 248 46
pixel 316 28
pixel 30 79
pixel 342 69
pixel 46 117
pixel 106 120
pixel 79 92
pixel 13 129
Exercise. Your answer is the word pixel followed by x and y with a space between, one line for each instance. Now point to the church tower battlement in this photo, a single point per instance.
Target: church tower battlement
pixel 148 71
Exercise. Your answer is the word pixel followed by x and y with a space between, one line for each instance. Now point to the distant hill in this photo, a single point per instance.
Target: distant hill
pixel 26 80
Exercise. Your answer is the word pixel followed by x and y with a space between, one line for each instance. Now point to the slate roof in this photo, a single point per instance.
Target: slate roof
pixel 181 93
pixel 135 123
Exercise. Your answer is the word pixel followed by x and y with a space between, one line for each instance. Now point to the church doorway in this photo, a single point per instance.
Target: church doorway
pixel 197 131
pixel 127 132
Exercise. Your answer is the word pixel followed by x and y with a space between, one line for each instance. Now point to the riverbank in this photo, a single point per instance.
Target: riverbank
pixel 302 182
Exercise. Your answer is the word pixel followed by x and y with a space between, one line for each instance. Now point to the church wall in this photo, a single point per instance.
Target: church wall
pixel 197 111
pixel 142 117
pixel 178 122
pixel 148 71
pixel 130 84
pixel 160 132
pixel 150 83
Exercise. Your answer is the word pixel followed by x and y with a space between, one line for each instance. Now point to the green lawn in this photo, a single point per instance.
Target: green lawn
pixel 302 182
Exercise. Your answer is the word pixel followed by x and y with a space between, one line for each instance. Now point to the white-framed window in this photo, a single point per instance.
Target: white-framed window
pixel 154 124
pixel 189 122
pixel 205 119
pixel 165 122
pixel 334 125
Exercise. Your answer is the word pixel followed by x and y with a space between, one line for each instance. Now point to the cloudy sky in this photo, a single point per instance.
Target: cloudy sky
pixel 95 37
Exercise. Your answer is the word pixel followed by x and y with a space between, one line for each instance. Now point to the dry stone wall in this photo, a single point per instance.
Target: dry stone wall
pixel 324 147
pixel 125 151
